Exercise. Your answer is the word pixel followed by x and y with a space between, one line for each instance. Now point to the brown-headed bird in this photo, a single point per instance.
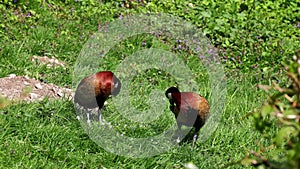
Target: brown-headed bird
pixel 190 109
pixel 93 91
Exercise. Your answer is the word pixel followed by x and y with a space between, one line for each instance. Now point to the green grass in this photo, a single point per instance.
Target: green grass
pixel 46 134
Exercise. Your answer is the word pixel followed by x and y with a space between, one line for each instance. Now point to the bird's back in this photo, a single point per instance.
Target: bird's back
pixel 93 90
pixel 189 106
pixel 85 93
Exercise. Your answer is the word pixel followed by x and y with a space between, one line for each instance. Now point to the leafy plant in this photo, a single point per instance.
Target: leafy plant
pixel 283 109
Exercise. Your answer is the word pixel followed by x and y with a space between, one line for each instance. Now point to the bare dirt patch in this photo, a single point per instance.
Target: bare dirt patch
pixel 21 88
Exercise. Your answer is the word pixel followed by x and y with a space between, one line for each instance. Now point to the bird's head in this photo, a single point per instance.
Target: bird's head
pixel 170 91
pixel 116 86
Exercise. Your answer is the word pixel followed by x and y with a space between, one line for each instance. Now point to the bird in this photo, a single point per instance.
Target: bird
pixel 94 90
pixel 189 108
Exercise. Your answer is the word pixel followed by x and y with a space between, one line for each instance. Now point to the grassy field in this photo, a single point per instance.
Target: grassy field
pixel 254 39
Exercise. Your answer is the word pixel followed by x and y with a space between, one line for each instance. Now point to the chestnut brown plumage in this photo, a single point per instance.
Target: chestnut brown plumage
pixel 93 91
pixel 190 109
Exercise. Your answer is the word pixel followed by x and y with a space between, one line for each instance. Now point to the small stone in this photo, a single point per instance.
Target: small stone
pixel 68 90
pixel 51 60
pixel 38 86
pixel 191 5
pixel 60 94
pixel 12 76
pixel 33 95
pixel 53 89
pixel 190 166
pixel 295 57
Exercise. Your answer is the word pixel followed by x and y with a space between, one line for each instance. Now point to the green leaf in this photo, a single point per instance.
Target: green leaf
pixel 248 161
pixel 266 110
pixel 227 42
pixel 265 69
pixel 290 112
pixel 283 134
pixel 206 14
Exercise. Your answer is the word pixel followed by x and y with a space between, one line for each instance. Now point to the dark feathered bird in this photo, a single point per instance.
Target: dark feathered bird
pixel 190 109
pixel 93 91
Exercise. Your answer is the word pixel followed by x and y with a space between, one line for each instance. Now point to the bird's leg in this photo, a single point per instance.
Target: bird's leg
pixel 100 116
pixel 88 118
pixel 178 133
pixel 79 110
pixel 195 137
